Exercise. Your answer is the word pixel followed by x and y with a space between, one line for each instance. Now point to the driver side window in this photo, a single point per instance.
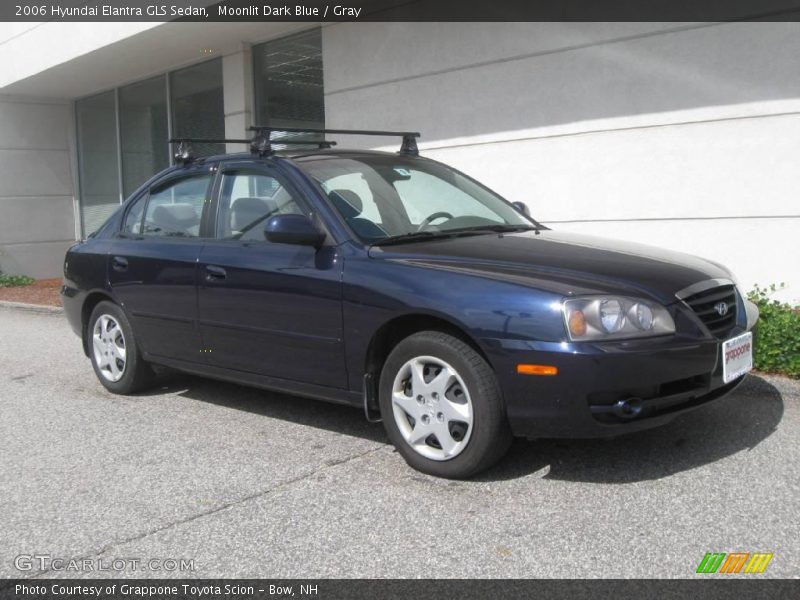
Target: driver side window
pixel 247 200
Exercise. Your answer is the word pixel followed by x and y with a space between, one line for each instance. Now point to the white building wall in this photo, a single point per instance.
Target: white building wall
pixel 685 136
pixel 237 84
pixel 37 221
pixel 28 48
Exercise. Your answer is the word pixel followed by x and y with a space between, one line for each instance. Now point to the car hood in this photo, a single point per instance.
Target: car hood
pixel 561 262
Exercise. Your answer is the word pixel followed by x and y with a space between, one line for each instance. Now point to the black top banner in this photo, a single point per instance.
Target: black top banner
pixel 401 10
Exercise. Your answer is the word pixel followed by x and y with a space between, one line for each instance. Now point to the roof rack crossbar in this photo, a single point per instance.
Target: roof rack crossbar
pixel 247 141
pixel 262 141
pixel 409 145
pixel 334 131
pixel 184 152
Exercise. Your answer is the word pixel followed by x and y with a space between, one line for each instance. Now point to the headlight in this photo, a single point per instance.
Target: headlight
pixel 614 317
pixel 642 316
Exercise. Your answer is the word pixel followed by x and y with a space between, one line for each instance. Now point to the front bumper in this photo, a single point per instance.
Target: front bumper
pixel 660 377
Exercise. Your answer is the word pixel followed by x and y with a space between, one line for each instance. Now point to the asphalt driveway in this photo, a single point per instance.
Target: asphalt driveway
pixel 252 484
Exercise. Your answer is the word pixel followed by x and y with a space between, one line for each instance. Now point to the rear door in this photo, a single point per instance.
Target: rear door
pixel 267 308
pixel 153 263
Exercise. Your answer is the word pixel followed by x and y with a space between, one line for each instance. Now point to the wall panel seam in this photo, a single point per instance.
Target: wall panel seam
pixel 434 146
pixel 37 242
pixel 660 219
pixel 525 56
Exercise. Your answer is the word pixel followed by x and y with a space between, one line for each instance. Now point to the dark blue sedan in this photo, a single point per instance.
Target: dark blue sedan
pixel 395 283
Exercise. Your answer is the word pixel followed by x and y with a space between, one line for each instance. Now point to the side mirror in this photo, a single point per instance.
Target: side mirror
pixel 522 207
pixel 293 229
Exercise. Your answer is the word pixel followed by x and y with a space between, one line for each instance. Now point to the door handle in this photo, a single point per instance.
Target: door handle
pixel 119 264
pixel 215 273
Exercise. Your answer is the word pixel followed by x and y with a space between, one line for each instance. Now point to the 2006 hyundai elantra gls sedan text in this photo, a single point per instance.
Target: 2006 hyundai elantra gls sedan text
pixel 395 283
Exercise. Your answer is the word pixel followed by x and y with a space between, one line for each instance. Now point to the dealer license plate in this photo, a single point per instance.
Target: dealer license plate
pixel 737 356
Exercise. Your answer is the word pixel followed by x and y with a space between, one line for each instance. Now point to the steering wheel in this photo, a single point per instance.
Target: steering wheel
pixel 437 215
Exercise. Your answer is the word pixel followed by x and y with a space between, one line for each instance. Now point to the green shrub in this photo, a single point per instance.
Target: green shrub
pixel 14 280
pixel 777 340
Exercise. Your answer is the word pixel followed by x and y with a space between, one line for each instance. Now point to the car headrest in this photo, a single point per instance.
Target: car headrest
pixel 246 210
pixel 347 202
pixel 175 216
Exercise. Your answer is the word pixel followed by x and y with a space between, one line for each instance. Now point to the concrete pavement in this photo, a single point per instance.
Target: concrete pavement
pixel 246 483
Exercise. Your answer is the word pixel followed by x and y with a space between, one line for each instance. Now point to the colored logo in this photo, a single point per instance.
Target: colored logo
pixel 734 562
pixel 721 308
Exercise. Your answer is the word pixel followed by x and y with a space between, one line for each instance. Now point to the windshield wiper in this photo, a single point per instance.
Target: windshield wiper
pixel 457 232
pixel 407 237
pixel 497 228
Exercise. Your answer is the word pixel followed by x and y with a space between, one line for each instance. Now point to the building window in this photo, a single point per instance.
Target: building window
pixel 122 134
pixel 197 105
pixel 98 158
pixel 288 81
pixel 144 131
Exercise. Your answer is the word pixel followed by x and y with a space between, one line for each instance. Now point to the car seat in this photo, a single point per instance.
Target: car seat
pixel 350 206
pixel 245 211
pixel 179 218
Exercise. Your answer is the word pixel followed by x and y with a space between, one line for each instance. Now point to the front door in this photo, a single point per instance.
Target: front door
pixel 267 308
pixel 153 264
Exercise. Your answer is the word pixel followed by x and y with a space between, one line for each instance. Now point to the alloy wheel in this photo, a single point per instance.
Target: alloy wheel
pixel 432 408
pixel 108 344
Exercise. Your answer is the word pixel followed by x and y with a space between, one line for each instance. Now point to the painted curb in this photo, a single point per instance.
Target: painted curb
pixel 35 308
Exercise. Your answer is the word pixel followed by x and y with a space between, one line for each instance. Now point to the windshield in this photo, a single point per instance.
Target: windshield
pixel 386 198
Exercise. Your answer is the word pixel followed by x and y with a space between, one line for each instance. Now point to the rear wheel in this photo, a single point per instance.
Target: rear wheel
pixel 441 406
pixel 113 351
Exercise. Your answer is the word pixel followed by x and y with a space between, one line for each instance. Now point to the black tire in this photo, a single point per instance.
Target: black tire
pixel 136 374
pixel 490 436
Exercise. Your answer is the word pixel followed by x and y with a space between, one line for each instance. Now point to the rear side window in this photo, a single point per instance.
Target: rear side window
pixel 176 208
pixel 247 200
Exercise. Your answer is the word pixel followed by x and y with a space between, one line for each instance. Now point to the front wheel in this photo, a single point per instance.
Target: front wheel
pixel 441 406
pixel 113 350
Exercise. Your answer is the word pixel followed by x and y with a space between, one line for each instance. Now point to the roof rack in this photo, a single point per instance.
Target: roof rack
pixel 185 155
pixel 263 135
pixel 262 142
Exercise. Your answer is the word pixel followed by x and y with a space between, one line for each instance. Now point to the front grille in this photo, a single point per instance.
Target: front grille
pixel 705 303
